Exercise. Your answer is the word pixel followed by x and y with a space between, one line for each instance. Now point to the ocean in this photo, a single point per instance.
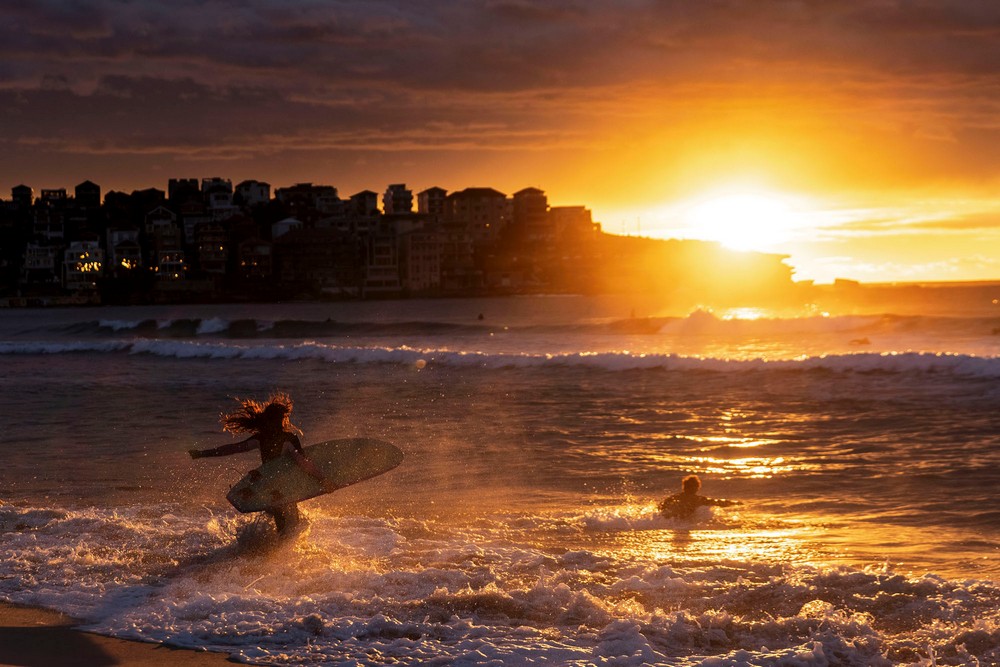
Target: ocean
pixel 521 528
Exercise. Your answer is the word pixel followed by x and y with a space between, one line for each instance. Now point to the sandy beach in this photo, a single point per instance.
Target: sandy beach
pixel 32 637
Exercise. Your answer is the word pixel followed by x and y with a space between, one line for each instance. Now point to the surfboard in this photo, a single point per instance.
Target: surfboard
pixel 344 462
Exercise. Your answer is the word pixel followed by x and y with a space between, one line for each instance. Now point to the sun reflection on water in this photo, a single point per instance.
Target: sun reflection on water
pixel 746 313
pixel 717 455
pixel 753 467
pixel 786 544
pixel 730 441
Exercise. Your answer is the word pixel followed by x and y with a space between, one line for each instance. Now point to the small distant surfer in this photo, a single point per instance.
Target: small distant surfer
pixel 272 432
pixel 683 505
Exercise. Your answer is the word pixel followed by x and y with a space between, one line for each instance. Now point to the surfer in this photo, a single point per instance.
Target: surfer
pixel 272 432
pixel 683 505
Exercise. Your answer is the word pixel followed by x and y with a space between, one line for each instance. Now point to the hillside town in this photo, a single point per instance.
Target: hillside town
pixel 208 241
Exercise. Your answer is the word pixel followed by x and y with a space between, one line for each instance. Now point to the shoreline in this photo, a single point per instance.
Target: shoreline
pixel 34 636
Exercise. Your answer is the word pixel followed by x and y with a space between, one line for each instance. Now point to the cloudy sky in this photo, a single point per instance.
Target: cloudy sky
pixel 862 137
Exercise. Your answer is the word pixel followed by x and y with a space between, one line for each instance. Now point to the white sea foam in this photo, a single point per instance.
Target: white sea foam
pixel 212 326
pixel 119 325
pixel 406 592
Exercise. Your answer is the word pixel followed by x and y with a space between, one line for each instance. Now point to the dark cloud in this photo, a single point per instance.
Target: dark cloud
pixel 931 20
pixel 494 44
pixel 267 75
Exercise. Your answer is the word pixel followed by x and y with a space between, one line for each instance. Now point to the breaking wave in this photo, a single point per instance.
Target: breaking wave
pixel 904 362
pixel 697 323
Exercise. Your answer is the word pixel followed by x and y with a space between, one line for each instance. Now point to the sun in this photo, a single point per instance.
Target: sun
pixel 742 219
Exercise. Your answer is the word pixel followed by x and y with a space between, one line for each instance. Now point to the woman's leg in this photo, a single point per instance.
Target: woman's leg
pixel 285 516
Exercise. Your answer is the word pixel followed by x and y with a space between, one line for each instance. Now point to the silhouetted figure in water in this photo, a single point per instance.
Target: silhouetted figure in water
pixel 272 432
pixel 683 505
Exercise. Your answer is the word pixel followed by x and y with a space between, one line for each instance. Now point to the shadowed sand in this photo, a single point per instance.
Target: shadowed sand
pixel 31 637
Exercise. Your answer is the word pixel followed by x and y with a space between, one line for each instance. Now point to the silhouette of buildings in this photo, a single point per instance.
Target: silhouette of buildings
pixel 206 240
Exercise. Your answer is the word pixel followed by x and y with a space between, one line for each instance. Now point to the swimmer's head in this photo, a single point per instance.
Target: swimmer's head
pixel 691 484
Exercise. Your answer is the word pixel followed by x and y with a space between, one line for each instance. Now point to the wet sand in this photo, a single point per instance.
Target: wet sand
pixel 31 637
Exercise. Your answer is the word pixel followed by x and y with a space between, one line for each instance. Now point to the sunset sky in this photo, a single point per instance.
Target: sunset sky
pixel 861 137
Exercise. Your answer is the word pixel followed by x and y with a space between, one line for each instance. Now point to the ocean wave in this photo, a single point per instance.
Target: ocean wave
pixel 861 362
pixel 699 322
pixel 69 347
pixel 217 327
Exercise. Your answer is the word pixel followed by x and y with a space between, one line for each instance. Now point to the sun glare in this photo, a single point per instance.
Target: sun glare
pixel 742 220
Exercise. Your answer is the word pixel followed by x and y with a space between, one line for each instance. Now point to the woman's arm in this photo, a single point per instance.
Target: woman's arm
pixel 297 454
pixel 225 450
pixel 722 502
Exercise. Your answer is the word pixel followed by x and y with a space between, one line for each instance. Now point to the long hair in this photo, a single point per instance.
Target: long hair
pixel 253 416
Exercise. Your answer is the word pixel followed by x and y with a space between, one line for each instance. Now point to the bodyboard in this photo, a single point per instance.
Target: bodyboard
pixel 344 462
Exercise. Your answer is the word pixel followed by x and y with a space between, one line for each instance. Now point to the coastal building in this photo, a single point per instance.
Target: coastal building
pixel 38 266
pixel 216 184
pixel 22 197
pixel 146 200
pixel 256 259
pixel 419 257
pixel 381 265
pixel 182 190
pixel 88 195
pixel 282 227
pixel 252 193
pixel 49 224
pixel 397 200
pixel 362 211
pixel 170 265
pixel 318 262
pixel 83 265
pixel 161 216
pixel 328 201
pixel 530 219
pixel 483 212
pixel 217 195
pixel 364 204
pixel 212 246
pixel 124 251
pixel 53 198
pixel 308 201
pixel 401 223
pixel 220 207
pixel 457 256
pixel 166 244
pixel 572 224
pixel 218 199
pixel 192 214
pixel 431 202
